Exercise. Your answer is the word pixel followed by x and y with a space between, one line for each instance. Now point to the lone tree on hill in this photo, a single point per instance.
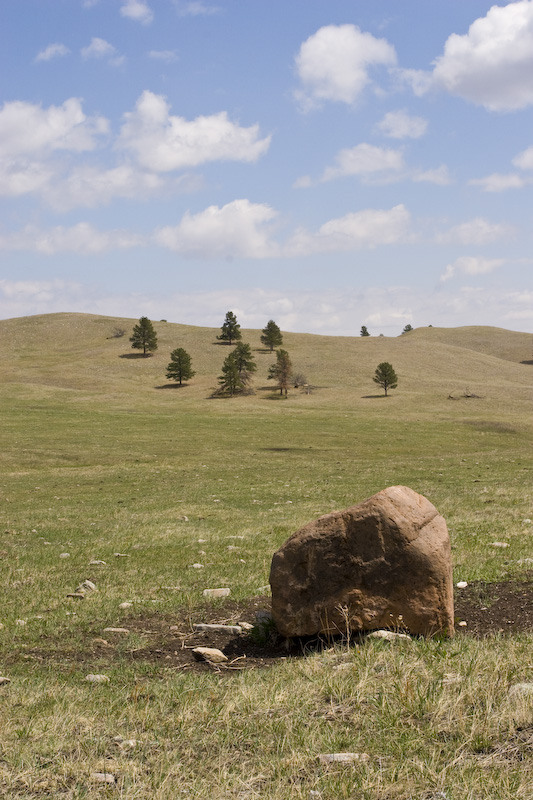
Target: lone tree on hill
pixel 245 361
pixel 271 335
pixel 281 371
pixel 385 376
pixel 364 331
pixel 231 330
pixel 408 328
pixel 144 337
pixel 180 368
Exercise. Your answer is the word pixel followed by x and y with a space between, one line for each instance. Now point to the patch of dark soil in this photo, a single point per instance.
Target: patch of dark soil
pixel 488 608
pixel 168 640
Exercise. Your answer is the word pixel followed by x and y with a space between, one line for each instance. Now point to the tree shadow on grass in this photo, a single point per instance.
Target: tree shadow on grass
pixel 172 386
pixel 136 355
pixel 527 362
pixel 375 396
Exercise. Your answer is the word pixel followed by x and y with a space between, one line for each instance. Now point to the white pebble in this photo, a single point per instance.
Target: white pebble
pixel 64 555
pixel 462 624
pixel 342 758
pixel 20 622
pixel 125 605
pixel 197 566
pixel 500 544
pixel 462 585
pixel 95 678
pixel 103 777
pixel 216 592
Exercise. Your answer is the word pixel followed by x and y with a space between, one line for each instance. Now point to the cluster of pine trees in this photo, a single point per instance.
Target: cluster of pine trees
pixel 239 365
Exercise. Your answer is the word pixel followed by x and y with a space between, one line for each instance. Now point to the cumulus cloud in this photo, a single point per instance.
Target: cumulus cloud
pixel 361 229
pixel 101 49
pixel 137 10
pixel 56 50
pixel 239 229
pixel 27 129
pixel 471 265
pixel 400 125
pixel 364 159
pixel 161 142
pixel 498 182
pixel 82 238
pixel 334 63
pixel 524 160
pixel 476 231
pixel 492 65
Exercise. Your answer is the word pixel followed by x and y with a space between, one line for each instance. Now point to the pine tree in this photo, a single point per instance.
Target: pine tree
pixel 364 331
pixel 281 371
pixel 231 330
pixel 271 335
pixel 230 381
pixel 144 336
pixel 180 368
pixel 408 328
pixel 245 361
pixel 385 376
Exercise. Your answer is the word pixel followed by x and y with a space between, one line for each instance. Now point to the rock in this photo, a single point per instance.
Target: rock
pixel 121 555
pixel 216 592
pixel 97 562
pixel 523 689
pixel 463 624
pixel 4 681
pixel 97 678
pixel 77 595
pixel 64 555
pixel 462 585
pixel 85 587
pixel 197 566
pixel 389 636
pixel 125 605
pixel 200 626
pixel 103 777
pixel 210 654
pixel 116 630
pixel 385 560
pixel 20 622
pixel 246 626
pixel 500 544
pixel 263 589
pixel 342 758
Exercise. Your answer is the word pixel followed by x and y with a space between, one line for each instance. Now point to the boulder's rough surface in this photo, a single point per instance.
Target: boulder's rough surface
pixel 384 563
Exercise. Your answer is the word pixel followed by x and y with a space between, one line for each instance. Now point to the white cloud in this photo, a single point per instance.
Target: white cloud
pixel 400 125
pixel 29 130
pixel 524 160
pixel 492 65
pixel 195 9
pixel 440 176
pixel 101 49
pixel 56 50
pixel 162 142
pixel 339 311
pixel 364 159
pixel 361 229
pixel 471 265
pixel 476 231
pixel 137 10
pixel 499 183
pixel 81 238
pixel 237 230
pixel 420 81
pixel 168 56
pixel 333 64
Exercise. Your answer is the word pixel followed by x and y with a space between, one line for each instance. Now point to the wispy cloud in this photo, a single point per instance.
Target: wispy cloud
pixel 56 50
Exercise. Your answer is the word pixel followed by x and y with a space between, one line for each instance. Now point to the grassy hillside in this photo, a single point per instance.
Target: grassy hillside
pixel 100 456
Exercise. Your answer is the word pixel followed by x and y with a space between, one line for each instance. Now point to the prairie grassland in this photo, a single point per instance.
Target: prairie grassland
pixel 100 456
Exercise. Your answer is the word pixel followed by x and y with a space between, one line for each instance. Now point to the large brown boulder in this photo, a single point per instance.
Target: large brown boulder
pixel 384 563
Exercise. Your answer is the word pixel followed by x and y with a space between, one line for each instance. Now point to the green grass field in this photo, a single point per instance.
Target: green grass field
pixel 101 456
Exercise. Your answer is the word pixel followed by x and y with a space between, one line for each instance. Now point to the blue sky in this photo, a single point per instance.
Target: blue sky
pixel 325 163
